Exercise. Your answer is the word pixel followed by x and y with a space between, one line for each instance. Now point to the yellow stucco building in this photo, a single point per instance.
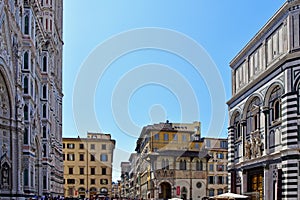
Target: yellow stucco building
pixel 88 165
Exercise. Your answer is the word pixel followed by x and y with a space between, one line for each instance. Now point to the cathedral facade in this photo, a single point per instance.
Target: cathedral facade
pixel 31 164
pixel 264 111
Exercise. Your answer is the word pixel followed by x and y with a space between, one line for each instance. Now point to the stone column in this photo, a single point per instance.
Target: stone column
pixel 267 138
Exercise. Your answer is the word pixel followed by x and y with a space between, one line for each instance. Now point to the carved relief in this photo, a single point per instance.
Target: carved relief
pixel 253 148
pixel 4 101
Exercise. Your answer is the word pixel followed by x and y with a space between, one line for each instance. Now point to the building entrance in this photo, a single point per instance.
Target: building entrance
pixel 165 192
pixel 256 184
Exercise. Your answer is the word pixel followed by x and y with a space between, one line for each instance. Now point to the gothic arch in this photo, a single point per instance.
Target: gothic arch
pixel 8 85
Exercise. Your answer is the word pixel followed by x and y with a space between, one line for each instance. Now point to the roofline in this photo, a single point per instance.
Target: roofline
pixel 279 13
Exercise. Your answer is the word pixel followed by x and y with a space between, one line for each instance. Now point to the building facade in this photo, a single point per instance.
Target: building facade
pixel 169 163
pixel 31 98
pixel 264 114
pixel 125 180
pixel 88 166
pixel 217 176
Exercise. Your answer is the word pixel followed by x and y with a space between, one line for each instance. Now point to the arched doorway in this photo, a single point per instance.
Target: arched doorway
pixel 165 191
pixel 6 145
pixel 81 193
pixel 93 193
pixel 183 193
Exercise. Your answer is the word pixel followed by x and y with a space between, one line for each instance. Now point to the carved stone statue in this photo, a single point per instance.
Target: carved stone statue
pixel 253 148
pixel 5 175
pixel 4 149
pixel 248 149
pixel 259 146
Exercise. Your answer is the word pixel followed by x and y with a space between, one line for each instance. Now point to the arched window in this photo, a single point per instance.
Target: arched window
pixel 44 91
pixel 275 104
pixel 237 126
pixel 25 112
pixel 26 60
pixel 272 139
pixel 199 165
pixel 182 165
pixel 26 25
pixel 253 113
pixel 45 63
pixel 25 136
pixel 44 132
pixel 44 111
pixel 44 150
pixel 167 164
pixel 163 164
pixel 26 180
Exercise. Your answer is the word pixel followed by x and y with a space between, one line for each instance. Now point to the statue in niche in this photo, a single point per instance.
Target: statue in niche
pixel 253 148
pixel 248 149
pixel 4 149
pixel 259 146
pixel 5 175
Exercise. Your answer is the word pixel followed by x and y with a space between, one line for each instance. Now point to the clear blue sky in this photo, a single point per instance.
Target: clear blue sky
pixel 149 85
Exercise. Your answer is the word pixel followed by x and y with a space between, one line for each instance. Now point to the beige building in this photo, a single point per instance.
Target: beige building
pixel 169 162
pixel 217 177
pixel 31 34
pixel 88 165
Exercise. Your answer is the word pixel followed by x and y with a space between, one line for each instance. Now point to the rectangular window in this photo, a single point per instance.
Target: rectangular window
pixel 70 146
pixel 93 181
pixel 220 191
pixel 81 181
pixel 44 182
pixel 92 146
pixel 210 180
pixel 211 192
pixel 103 171
pixel 26 180
pixel 63 155
pixel 70 157
pixel 26 136
pixel 81 157
pixel 70 170
pixel 104 157
pixel 184 138
pixel 224 144
pixel 92 157
pixel 103 146
pixel 64 145
pixel 81 170
pixel 220 180
pixel 208 143
pixel 103 181
pixel 220 168
pixel 70 181
pixel 166 137
pixel 220 155
pixel 93 170
pixel 81 146
pixel 156 136
pixel 211 167
pixel 175 137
